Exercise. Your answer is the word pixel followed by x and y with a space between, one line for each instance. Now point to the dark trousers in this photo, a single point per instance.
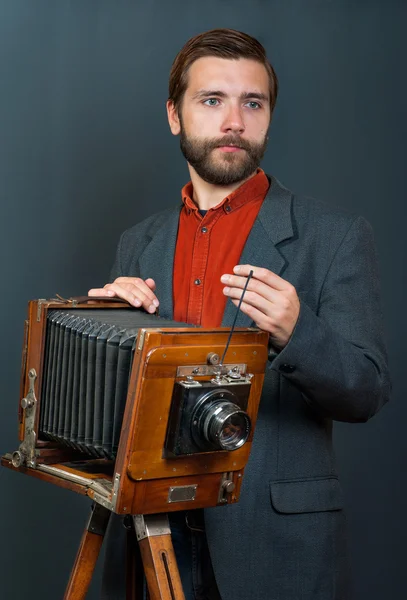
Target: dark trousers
pixel 193 559
pixel 191 551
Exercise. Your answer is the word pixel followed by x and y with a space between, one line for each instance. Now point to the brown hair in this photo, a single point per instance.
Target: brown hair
pixel 223 43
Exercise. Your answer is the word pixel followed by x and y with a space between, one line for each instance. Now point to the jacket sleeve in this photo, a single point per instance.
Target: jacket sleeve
pixel 337 357
pixel 133 242
pixel 117 269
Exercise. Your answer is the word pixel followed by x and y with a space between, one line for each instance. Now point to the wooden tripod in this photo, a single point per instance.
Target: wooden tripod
pixel 156 557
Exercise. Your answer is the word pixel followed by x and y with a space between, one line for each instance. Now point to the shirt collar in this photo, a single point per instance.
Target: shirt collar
pixel 255 187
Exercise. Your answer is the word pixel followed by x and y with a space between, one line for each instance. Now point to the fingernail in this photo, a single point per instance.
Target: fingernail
pixel 225 278
pixel 237 269
pixel 226 290
pixel 137 302
pixel 151 308
pixel 110 293
pixel 155 302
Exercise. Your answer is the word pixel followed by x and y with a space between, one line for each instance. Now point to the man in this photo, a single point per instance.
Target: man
pixel 314 289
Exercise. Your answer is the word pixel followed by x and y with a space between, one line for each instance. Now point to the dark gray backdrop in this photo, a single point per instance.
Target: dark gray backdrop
pixel 85 152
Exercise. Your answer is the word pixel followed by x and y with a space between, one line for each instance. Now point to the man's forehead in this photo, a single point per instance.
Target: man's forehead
pixel 211 72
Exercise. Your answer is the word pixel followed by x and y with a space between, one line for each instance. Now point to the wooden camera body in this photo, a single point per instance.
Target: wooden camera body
pixel 187 424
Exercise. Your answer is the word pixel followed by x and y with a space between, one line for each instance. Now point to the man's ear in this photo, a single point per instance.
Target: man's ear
pixel 173 118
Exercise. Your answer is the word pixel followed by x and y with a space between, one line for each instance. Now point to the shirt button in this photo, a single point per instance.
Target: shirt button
pixel 204 229
pixel 228 208
pixel 197 282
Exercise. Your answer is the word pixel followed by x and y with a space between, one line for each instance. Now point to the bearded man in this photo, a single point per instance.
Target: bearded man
pixel 314 289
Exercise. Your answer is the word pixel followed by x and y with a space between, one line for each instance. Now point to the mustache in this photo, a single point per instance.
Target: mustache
pixel 229 140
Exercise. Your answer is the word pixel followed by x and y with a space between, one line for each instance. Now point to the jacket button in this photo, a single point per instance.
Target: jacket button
pixel 287 368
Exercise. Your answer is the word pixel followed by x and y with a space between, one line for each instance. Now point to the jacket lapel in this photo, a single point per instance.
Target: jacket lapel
pixel 272 226
pixel 157 260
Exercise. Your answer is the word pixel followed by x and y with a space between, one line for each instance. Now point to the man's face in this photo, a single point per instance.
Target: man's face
pixel 224 118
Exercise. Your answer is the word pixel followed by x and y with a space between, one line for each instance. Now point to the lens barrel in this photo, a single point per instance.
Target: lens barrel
pixel 227 426
pixel 219 423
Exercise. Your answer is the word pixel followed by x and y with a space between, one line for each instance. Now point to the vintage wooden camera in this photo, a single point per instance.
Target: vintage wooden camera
pixel 139 414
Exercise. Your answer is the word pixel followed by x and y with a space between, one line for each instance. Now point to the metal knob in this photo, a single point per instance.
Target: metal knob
pixel 17 459
pixel 228 486
pixel 213 358
pixel 27 403
pixel 234 373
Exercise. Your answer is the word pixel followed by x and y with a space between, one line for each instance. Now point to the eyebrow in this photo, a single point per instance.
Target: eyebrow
pixel 220 94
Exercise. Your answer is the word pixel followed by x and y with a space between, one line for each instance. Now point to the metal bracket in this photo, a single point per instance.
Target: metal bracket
pixel 239 370
pixel 116 485
pixel 151 525
pixel 110 501
pixel 98 519
pixel 40 302
pixel 105 493
pixel 227 486
pixel 27 454
pixel 140 343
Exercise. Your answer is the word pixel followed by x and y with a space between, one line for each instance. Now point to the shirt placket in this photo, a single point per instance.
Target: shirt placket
pixel 200 265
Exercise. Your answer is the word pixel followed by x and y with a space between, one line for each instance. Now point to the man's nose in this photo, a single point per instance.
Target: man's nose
pixel 233 121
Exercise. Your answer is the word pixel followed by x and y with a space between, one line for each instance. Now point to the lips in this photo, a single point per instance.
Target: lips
pixel 230 148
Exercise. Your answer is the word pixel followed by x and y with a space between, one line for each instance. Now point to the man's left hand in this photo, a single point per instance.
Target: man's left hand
pixel 269 300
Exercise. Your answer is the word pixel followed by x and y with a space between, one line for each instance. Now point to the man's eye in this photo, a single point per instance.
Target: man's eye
pixel 211 102
pixel 254 105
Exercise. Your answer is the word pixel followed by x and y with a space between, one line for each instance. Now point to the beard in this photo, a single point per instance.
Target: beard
pixel 222 168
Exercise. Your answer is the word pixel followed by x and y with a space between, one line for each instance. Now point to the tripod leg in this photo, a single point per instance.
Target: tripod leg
pixel 157 553
pixel 134 566
pixel 88 553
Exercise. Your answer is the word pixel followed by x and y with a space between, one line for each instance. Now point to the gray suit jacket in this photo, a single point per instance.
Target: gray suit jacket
pixel 285 539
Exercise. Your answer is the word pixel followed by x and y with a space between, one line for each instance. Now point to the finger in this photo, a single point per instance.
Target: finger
pixel 101 292
pixel 132 295
pixel 275 323
pixel 252 298
pixel 151 283
pixel 237 283
pixel 255 314
pixel 136 282
pixel 123 293
pixel 264 275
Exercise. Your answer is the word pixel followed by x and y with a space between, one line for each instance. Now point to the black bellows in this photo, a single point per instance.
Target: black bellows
pixel 87 363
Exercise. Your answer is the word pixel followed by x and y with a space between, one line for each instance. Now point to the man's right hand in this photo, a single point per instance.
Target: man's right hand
pixel 136 291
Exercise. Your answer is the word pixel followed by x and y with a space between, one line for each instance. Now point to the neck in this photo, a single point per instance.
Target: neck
pixel 207 195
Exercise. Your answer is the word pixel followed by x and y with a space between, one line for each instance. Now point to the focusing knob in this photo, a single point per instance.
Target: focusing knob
pixel 17 459
pixel 27 403
pixel 228 486
pixel 213 358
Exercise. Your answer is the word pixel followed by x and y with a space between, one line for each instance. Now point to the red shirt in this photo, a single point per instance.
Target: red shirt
pixel 209 246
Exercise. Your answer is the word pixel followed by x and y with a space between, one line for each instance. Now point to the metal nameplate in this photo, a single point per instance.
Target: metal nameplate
pixel 182 493
pixel 198 370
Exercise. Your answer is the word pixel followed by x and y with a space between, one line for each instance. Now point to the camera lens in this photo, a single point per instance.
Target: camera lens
pixel 218 423
pixel 227 426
